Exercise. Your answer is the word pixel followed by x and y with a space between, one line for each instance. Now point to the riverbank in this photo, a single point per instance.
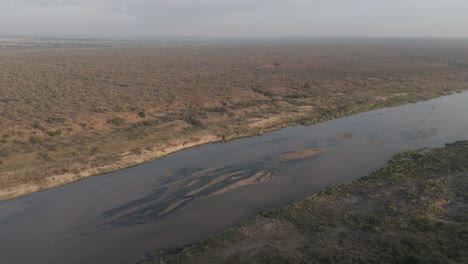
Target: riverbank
pixel 197 138
pixel 413 210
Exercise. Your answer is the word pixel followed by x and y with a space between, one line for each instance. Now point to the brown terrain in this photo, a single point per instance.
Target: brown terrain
pixel 70 113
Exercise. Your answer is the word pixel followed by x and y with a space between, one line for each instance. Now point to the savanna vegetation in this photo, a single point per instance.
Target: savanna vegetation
pixel 413 210
pixel 68 113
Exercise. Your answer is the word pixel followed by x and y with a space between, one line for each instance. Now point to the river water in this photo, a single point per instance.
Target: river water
pixel 118 217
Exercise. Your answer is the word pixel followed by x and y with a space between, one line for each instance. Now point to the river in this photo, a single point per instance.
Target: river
pixel 117 217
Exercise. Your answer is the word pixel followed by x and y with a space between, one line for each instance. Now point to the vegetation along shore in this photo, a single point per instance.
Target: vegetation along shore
pixel 413 210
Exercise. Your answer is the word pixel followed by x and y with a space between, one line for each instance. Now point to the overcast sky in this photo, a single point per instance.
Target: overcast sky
pixel 234 18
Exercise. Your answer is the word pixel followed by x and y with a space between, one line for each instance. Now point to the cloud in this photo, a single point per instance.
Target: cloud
pixel 141 6
pixel 152 18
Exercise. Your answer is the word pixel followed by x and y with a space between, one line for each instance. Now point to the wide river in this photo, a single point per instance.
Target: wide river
pixel 118 217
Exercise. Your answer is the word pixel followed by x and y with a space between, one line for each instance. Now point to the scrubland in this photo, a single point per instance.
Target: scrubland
pixel 69 113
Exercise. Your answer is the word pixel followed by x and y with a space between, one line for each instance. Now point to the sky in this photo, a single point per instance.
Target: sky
pixel 234 18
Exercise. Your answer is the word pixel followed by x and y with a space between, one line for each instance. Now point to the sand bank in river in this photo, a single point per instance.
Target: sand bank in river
pixel 302 154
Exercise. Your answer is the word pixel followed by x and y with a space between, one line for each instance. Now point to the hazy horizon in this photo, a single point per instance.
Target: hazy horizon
pixel 145 19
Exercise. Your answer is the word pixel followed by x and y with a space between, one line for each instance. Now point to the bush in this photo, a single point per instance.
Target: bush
pixel 142 114
pixel 56 120
pixel 38 126
pixel 55 133
pixel 118 121
pixel 194 121
pixel 34 140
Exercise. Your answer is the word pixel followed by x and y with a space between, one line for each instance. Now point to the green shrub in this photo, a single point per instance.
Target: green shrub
pixel 142 114
pixel 194 121
pixel 118 121
pixel 34 140
pixel 55 133
pixel 38 126
pixel 56 120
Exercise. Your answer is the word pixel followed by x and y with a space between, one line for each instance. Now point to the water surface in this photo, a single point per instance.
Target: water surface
pixel 118 217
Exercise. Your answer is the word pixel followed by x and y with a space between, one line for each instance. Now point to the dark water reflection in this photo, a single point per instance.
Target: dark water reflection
pixel 117 217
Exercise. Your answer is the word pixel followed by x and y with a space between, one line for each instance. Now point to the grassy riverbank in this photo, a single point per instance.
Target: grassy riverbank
pixel 413 210
pixel 66 114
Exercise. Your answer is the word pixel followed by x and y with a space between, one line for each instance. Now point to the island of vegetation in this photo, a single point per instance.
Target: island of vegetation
pixel 70 110
pixel 413 210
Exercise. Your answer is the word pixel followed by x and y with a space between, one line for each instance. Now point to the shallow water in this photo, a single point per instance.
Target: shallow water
pixel 118 217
